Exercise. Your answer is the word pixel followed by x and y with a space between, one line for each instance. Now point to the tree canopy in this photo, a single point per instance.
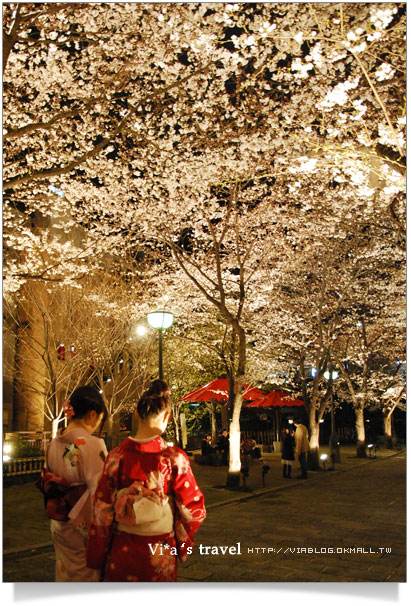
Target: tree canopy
pixel 246 157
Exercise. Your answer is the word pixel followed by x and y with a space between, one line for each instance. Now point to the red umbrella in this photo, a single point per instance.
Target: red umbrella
pixel 218 390
pixel 275 398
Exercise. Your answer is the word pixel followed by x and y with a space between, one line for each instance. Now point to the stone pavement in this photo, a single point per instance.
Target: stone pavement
pixel 345 525
pixel 348 527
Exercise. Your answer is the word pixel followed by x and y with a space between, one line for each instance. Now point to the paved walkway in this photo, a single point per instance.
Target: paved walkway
pixel 342 525
pixel 337 527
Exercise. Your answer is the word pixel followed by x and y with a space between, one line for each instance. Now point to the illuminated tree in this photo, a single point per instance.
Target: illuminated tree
pixel 247 132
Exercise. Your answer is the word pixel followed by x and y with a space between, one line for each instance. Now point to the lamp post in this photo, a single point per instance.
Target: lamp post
pixel 160 320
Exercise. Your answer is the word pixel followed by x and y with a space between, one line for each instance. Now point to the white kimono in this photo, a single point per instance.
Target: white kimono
pixel 78 457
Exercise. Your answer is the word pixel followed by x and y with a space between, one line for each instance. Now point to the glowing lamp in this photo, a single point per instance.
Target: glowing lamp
pixel 160 319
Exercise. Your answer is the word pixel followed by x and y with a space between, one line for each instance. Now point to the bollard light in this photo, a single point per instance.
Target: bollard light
pixel 245 473
pixel 7 448
pixel 324 458
pixel 264 470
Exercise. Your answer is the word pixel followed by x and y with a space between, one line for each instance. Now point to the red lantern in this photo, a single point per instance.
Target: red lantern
pixel 61 352
pixel 73 351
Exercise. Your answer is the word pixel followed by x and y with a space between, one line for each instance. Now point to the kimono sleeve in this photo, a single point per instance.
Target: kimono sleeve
pixel 189 501
pixel 94 454
pixel 102 524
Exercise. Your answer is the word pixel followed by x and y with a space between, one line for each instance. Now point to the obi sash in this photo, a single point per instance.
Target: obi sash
pixel 59 495
pixel 143 511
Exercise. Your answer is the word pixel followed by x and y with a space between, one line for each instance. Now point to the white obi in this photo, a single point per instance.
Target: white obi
pixel 151 518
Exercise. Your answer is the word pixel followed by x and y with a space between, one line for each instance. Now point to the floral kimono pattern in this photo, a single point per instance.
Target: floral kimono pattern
pixel 147 508
pixel 75 462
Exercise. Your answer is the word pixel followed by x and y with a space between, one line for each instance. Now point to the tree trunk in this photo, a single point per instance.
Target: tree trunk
pixel 8 43
pixel 234 468
pixel 360 427
pixel 109 429
pixel 213 424
pixel 54 427
pixel 394 433
pixel 224 416
pixel 176 430
pixel 388 430
pixel 313 455
pixel 175 418
pixel 233 477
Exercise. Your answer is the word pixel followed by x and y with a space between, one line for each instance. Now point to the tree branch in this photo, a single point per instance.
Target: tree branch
pixel 380 102
pixel 62 170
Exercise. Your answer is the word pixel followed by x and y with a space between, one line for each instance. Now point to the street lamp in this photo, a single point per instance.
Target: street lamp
pixel 160 320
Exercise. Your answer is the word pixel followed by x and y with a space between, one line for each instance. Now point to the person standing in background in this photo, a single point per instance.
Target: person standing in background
pixel 302 446
pixel 287 451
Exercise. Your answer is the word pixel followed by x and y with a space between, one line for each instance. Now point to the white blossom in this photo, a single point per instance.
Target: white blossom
pixel 384 72
pixel 338 95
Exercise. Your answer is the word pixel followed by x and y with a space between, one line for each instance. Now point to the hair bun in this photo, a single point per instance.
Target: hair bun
pixel 154 399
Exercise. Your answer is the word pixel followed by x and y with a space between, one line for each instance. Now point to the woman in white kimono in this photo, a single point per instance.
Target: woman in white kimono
pixel 75 461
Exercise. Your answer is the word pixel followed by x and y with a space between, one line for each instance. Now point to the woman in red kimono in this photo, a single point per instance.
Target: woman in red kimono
pixel 147 505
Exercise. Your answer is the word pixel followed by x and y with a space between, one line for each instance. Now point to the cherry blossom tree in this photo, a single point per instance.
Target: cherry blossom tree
pixel 371 336
pixel 367 371
pixel 286 82
pixel 312 319
pixel 215 143
pixel 393 397
pixel 303 317
pixel 191 362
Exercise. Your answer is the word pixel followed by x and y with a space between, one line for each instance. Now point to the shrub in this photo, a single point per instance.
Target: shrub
pixel 21 448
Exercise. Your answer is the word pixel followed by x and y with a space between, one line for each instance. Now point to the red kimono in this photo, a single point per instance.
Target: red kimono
pixel 147 508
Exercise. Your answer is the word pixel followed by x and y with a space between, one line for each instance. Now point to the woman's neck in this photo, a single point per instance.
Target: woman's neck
pixel 146 430
pixel 75 425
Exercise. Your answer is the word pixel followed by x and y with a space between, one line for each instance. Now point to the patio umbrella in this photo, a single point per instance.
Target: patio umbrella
pixel 275 400
pixel 218 390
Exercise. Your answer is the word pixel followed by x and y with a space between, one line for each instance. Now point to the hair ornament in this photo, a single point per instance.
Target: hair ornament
pixel 68 409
